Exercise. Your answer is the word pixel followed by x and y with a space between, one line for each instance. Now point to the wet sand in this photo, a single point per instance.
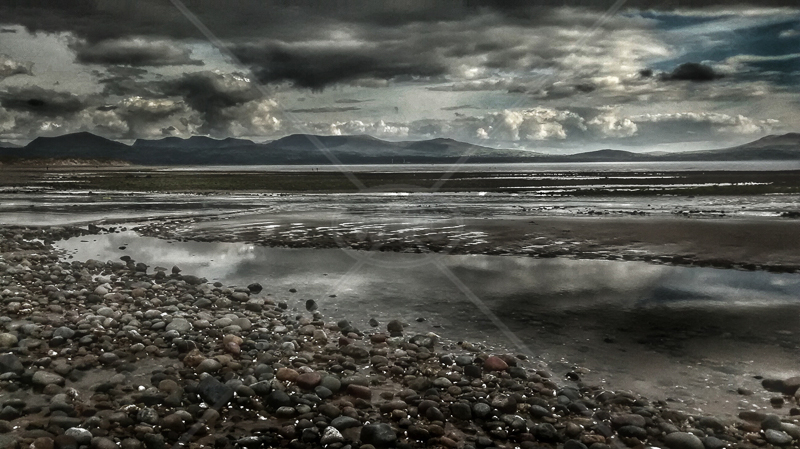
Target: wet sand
pixel 751 244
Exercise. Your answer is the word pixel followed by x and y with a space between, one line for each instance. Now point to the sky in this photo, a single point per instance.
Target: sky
pixel 555 76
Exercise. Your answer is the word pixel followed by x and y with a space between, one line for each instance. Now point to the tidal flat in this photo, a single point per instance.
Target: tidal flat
pixel 398 316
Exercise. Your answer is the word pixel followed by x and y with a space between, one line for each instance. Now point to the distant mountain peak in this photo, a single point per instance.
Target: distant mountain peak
pixel 78 138
pixel 193 142
pixel 357 149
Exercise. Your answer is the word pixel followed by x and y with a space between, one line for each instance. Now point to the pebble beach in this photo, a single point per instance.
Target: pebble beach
pixel 117 354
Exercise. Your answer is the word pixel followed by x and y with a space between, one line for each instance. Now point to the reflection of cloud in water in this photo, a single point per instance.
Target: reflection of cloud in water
pixel 211 260
pixel 557 276
pixel 509 282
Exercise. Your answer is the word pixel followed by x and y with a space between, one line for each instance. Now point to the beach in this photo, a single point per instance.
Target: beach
pixel 397 318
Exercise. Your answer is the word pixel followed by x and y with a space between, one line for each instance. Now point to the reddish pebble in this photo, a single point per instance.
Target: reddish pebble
pixel 233 348
pixel 344 341
pixel 494 363
pixel 308 381
pixel 377 338
pixel 359 391
pixel 447 442
pixel 232 339
pixel 287 374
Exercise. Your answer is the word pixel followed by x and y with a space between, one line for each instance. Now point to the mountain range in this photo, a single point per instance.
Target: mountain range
pixel 355 149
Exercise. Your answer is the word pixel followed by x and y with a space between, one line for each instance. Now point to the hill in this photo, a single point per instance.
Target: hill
pixel 780 147
pixel 357 149
pixel 82 145
pixel 194 142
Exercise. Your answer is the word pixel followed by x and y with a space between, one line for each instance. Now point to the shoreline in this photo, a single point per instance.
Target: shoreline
pixel 82 335
pixel 570 181
pixel 742 243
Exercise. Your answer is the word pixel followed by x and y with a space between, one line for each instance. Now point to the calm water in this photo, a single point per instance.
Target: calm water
pixel 519 168
pixel 61 208
pixel 667 332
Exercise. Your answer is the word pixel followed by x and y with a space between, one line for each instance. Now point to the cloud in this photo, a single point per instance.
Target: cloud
pixel 253 118
pixel 10 67
pixel 610 124
pixel 215 96
pixel 145 117
pixel 377 128
pixel 41 102
pixel 316 65
pixel 525 125
pixel 321 110
pixel 133 51
pixel 694 122
pixel 125 81
pixel 692 71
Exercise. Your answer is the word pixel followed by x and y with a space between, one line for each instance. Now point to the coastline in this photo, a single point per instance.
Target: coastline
pixel 733 243
pixel 83 335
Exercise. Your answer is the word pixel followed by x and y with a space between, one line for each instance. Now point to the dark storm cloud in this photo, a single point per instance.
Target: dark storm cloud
pixel 133 52
pixel 325 110
pixel 291 42
pixel 210 93
pixel 316 67
pixel 692 71
pixel 97 20
pixel 42 102
pixel 124 81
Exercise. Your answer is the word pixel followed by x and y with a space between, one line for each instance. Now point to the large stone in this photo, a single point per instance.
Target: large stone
pixel 574 444
pixel 784 386
pixel 179 324
pixel 378 435
pixel 771 421
pixel 777 437
pixel 345 422
pixel 44 378
pixel 147 415
pixel 461 411
pixel 214 392
pixel 64 332
pixel 8 340
pixel 9 363
pixel 494 363
pixel 8 441
pixel 209 366
pixel 287 374
pixel 331 383
pixel 632 432
pixel 359 391
pixel 82 436
pixel 546 432
pixel 308 381
pixel 628 419
pixel 394 327
pixel 331 435
pixel 683 440
pixel 278 398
